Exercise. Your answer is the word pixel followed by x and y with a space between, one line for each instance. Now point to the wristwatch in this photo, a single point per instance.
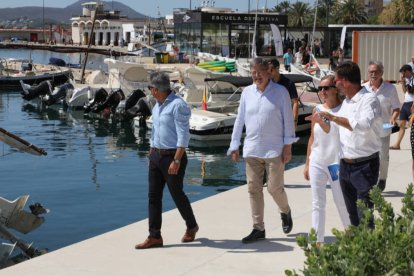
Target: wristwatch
pixel 177 161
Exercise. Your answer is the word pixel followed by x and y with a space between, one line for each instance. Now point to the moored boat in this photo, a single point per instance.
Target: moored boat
pixel 12 71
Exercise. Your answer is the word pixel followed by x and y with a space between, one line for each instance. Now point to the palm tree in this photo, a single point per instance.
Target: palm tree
pixel 398 12
pixel 282 8
pixel 350 12
pixel 300 14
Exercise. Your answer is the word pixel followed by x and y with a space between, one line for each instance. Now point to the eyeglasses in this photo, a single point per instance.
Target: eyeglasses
pixel 374 72
pixel 150 87
pixel 321 88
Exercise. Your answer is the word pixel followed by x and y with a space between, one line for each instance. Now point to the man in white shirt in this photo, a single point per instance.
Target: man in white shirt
pixel 390 109
pixel 297 59
pixel 266 112
pixel 360 126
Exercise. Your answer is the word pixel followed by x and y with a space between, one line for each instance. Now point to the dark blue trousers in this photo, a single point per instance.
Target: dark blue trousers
pixel 157 178
pixel 356 181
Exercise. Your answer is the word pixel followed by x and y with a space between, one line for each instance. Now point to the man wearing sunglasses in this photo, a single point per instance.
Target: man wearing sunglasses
pixel 167 159
pixel 390 109
pixel 360 127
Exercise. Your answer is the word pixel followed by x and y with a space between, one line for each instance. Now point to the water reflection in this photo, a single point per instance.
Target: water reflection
pixel 208 163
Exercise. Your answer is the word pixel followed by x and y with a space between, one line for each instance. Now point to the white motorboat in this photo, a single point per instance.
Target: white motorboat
pixel 13 71
pixel 127 76
pixel 208 125
pixel 216 123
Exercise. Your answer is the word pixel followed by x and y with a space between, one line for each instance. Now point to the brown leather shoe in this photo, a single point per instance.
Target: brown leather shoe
pixel 190 234
pixel 150 242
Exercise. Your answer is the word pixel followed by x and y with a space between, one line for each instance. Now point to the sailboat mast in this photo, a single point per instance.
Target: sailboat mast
pixel 313 31
pixel 254 50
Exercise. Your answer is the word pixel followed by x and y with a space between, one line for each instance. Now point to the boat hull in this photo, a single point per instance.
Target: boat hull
pixel 13 82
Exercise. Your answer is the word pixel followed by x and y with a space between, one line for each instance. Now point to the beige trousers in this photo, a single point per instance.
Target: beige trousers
pixel 255 168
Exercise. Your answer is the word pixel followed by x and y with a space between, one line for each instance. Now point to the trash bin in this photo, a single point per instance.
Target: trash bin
pixel 180 57
pixel 165 57
pixel 158 57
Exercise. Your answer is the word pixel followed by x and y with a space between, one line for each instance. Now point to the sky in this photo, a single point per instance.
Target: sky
pixel 148 7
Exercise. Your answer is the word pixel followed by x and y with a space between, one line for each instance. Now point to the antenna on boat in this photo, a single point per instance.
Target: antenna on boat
pixel 89 42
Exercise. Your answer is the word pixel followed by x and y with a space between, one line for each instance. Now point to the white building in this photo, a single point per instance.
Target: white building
pixel 110 28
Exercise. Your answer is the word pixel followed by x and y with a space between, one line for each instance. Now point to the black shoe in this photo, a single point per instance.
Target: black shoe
pixel 287 222
pixel 381 184
pixel 255 235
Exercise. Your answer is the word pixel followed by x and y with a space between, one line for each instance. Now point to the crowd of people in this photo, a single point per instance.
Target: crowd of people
pixel 348 148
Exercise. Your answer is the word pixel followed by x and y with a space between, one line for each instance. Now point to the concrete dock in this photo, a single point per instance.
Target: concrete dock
pixel 223 219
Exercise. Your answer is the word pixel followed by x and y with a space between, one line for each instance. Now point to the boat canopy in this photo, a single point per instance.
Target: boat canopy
pixel 245 81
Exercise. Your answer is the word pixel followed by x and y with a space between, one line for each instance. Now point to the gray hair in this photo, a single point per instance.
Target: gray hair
pixel 377 63
pixel 259 61
pixel 161 81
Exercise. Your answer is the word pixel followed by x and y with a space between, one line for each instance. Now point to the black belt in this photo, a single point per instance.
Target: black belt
pixel 361 159
pixel 164 151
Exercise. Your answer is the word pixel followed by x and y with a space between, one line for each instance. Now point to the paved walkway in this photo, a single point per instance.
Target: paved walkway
pixel 224 219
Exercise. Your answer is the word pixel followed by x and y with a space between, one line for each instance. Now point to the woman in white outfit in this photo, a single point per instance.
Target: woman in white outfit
pixel 322 159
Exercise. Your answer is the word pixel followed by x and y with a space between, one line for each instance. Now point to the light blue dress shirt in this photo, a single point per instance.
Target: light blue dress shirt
pixel 268 119
pixel 170 123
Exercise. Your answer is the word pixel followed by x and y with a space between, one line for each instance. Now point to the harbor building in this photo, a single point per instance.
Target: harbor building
pixel 113 29
pixel 222 31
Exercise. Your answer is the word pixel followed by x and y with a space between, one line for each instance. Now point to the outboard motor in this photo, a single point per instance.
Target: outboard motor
pixel 112 101
pixel 58 94
pixel 42 89
pixel 141 108
pixel 100 97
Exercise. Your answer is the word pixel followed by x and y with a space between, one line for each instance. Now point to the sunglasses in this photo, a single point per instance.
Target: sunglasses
pixel 321 88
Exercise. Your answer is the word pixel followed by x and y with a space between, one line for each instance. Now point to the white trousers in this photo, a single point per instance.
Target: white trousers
pixel 319 177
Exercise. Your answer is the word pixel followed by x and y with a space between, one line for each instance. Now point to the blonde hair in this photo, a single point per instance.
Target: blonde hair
pixel 331 79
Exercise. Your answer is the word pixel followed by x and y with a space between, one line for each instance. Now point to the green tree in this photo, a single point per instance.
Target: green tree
pixel 388 249
pixel 398 12
pixel 300 14
pixel 350 12
pixel 282 8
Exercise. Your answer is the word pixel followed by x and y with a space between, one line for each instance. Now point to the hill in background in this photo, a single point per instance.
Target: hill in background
pixel 34 15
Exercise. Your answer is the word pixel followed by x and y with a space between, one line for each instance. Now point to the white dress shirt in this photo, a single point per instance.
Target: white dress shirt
pixel 389 101
pixel 363 112
pixel 268 119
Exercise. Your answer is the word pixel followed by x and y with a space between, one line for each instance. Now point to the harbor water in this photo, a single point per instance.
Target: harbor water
pixel 94 178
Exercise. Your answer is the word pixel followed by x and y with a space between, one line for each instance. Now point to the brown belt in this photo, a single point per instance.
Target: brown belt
pixel 361 159
pixel 164 151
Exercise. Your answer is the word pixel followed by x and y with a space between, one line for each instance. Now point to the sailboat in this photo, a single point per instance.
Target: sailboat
pixel 313 68
pixel 243 66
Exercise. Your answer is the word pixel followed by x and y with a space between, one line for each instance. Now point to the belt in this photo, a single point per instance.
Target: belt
pixel 361 159
pixel 164 151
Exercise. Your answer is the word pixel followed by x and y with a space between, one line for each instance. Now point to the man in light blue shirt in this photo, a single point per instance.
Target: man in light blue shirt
pixel 167 159
pixel 266 112
pixel 288 59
